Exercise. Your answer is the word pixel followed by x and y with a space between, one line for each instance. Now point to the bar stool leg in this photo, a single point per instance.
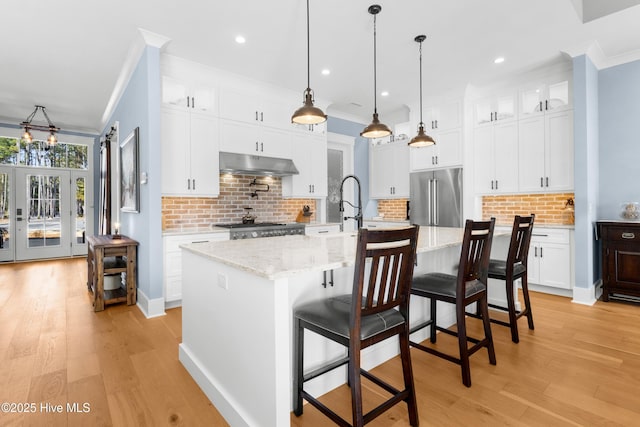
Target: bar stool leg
pixel 527 303
pixel 511 305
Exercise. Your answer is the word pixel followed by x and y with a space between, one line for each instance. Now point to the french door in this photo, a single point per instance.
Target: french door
pixel 49 213
pixel 7 191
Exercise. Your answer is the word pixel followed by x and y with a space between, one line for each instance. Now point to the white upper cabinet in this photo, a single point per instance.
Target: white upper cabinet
pixel 309 154
pixel 188 86
pixel 190 162
pixel 546 152
pixel 540 97
pixel 252 104
pixel 446 152
pixel 495 108
pixel 389 171
pixel 444 124
pixel 443 117
pixel 244 138
pixel 495 154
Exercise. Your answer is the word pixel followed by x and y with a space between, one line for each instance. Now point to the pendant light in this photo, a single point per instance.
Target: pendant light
pixel 308 114
pixel 375 129
pixel 28 126
pixel 421 139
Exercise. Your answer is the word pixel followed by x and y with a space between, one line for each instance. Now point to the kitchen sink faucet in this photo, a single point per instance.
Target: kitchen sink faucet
pixel 358 216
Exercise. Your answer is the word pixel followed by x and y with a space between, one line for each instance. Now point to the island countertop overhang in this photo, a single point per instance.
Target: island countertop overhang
pixel 278 257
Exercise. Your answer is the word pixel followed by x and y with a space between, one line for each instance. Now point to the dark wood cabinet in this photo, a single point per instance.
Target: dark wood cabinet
pixel 620 258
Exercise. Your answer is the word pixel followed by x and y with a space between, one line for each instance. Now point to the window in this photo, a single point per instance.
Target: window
pixel 13 151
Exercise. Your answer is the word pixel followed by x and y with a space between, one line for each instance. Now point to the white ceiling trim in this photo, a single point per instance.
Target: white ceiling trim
pixel 146 38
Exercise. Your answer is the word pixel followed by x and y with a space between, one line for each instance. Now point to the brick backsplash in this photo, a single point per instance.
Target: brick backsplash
pixel 235 194
pixel 393 208
pixel 549 208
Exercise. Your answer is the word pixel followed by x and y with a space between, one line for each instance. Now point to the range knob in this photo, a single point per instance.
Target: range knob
pixel 254 234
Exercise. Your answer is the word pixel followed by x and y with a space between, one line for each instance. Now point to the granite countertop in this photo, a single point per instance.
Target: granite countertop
pixel 280 257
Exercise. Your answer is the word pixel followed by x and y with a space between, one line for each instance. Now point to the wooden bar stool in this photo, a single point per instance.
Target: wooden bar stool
pixel 381 286
pixel 512 269
pixel 467 287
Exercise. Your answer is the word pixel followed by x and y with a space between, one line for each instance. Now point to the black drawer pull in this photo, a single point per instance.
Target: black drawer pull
pixel 628 236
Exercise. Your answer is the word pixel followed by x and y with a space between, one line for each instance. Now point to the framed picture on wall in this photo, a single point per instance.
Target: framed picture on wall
pixel 129 164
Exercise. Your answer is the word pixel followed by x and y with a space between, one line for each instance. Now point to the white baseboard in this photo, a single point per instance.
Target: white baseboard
pixel 172 304
pixel 215 393
pixel 150 307
pixel 587 296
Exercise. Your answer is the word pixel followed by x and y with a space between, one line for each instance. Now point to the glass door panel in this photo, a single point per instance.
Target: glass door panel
pixel 42 222
pixel 81 219
pixel 6 207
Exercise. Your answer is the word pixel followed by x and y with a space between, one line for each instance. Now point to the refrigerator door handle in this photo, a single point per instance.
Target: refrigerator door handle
pixel 429 203
pixel 436 220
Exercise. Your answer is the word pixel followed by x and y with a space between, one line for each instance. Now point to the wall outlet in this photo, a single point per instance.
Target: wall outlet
pixel 222 281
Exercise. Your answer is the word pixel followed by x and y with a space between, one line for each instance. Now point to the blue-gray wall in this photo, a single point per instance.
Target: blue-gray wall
pixel 619 107
pixel 586 141
pixel 139 106
pixel 607 153
pixel 360 159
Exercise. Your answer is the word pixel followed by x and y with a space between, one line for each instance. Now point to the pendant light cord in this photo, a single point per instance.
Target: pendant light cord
pixel 421 122
pixel 308 52
pixel 375 77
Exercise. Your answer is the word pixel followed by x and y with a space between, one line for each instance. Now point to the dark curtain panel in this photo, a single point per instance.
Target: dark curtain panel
pixel 104 226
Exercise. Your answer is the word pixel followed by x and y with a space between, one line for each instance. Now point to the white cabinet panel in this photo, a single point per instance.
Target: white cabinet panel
pixel 189 153
pixel 238 137
pixel 172 257
pixel 545 97
pixel 389 171
pixel 549 262
pixel 190 95
pixel 309 154
pixel 495 108
pixel 495 158
pixel 446 152
pixel 546 152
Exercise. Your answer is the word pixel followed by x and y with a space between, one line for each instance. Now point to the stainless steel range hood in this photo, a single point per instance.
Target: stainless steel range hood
pixel 249 164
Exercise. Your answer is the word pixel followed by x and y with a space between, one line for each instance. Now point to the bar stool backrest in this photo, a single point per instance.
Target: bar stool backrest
pixel 386 282
pixel 520 240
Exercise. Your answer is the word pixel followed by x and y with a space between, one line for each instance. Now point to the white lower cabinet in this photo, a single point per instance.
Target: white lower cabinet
pixel 172 257
pixel 550 260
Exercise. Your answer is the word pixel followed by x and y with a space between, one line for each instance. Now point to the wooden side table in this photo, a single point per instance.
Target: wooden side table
pixel 124 251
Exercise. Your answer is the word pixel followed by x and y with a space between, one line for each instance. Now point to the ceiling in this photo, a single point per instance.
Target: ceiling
pixel 67 55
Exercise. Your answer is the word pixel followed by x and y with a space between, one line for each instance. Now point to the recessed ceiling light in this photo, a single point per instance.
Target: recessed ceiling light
pixel 326 72
pixel 384 93
pixel 498 60
pixel 240 39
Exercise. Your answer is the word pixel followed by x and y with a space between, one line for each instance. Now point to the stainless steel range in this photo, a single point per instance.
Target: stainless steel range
pixel 261 229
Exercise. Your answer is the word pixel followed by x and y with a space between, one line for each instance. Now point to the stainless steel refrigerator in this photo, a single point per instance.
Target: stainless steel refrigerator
pixel 436 198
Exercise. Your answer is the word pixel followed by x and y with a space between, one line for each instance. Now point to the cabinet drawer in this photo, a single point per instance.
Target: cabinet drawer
pixel 621 234
pixel 550 235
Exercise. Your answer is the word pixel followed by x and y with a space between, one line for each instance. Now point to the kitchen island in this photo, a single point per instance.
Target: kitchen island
pixel 237 315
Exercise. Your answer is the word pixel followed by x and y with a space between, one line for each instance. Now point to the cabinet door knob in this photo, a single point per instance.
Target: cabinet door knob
pixel 492 184
pixel 256 116
pixel 188 184
pixel 541 182
pixel 496 184
pixel 540 105
pixel 628 236
pixel 194 184
pixel 547 181
pixel 546 104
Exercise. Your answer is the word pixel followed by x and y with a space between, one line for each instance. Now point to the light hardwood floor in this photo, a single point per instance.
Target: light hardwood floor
pixel 581 366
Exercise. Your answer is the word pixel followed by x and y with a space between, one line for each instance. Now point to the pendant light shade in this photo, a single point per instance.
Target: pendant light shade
pixel 421 139
pixel 375 129
pixel 308 114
